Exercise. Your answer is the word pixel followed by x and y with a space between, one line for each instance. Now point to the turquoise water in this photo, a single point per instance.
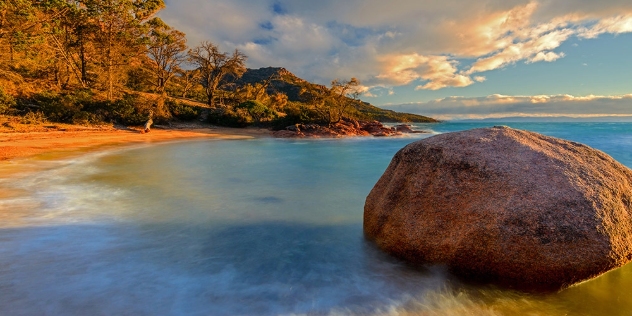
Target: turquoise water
pixel 250 227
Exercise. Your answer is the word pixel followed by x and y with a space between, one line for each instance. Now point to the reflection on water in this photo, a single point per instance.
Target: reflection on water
pixel 262 227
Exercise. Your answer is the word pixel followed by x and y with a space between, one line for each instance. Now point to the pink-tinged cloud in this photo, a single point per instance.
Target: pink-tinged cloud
pixel 437 71
pixel 508 106
pixel 372 39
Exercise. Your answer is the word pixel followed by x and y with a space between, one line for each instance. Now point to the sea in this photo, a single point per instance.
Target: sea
pixel 246 227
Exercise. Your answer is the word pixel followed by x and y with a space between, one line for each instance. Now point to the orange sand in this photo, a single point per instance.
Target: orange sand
pixel 60 143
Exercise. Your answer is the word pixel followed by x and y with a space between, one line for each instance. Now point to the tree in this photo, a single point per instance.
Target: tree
pixel 188 79
pixel 120 25
pixel 332 103
pixel 215 65
pixel 343 94
pixel 166 47
pixel 69 37
pixel 278 101
pixel 18 19
pixel 257 110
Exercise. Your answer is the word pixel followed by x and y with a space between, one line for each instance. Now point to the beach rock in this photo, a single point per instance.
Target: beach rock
pixel 506 206
pixel 404 128
pixel 407 129
pixel 345 127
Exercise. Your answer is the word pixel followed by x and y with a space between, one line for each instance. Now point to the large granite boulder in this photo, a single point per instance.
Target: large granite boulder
pixel 505 206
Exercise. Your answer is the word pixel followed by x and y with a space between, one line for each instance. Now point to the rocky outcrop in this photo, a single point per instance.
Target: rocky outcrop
pixel 405 128
pixel 506 206
pixel 343 128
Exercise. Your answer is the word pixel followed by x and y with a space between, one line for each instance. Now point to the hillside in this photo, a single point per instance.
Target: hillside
pixel 283 81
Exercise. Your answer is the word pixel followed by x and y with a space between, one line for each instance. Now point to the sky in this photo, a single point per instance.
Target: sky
pixel 449 59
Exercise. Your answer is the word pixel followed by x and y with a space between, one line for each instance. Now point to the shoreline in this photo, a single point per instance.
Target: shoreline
pixel 25 153
pixel 52 145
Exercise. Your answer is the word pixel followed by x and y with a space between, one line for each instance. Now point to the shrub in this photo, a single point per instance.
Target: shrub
pixel 55 107
pixel 86 118
pixel 33 118
pixel 129 110
pixel 257 110
pixel 230 118
pixel 182 111
pixel 7 102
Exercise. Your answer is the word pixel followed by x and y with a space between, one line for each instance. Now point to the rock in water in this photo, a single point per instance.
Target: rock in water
pixel 505 206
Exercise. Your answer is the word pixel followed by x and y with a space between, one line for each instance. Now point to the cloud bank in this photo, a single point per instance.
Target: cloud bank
pixel 432 44
pixel 496 106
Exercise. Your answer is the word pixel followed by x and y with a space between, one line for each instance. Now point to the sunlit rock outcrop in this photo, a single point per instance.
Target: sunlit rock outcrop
pixel 505 206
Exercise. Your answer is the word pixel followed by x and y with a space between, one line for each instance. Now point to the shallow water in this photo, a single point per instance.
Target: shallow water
pixel 253 227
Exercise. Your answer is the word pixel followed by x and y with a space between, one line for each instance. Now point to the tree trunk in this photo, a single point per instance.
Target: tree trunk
pixel 210 93
pixel 109 63
pixel 82 57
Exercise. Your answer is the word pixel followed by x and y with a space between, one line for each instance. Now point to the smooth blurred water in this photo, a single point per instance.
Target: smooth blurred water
pixel 256 227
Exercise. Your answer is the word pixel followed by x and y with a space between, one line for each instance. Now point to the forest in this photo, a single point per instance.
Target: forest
pixel 115 62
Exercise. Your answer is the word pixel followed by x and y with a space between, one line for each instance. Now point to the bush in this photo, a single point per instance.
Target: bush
pixel 86 118
pixel 182 111
pixel 230 118
pixel 81 108
pixel 130 110
pixel 55 107
pixel 257 110
pixel 296 113
pixel 7 102
pixel 33 118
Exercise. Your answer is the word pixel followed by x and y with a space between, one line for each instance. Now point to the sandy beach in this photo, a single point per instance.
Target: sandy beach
pixel 23 153
pixel 58 144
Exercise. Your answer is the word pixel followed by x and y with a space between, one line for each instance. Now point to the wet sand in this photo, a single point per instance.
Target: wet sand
pixel 58 144
pixel 26 153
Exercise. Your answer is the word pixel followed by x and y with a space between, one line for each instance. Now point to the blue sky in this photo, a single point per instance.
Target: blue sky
pixel 444 58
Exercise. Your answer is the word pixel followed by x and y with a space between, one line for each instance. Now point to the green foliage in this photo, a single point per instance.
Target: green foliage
pixel 130 110
pixel 230 118
pixel 182 111
pixel 367 112
pixel 214 66
pixel 82 108
pixel 57 108
pixel 257 110
pixel 137 79
pixel 86 118
pixel 7 102
pixel 33 118
pixel 295 113
pixel 165 49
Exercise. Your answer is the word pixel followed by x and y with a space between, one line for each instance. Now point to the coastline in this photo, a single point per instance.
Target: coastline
pixel 59 144
pixel 25 153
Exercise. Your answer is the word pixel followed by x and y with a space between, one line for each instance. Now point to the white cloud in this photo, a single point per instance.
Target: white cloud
pixel 545 56
pixel 615 25
pixel 507 106
pixel 438 71
pixel 397 42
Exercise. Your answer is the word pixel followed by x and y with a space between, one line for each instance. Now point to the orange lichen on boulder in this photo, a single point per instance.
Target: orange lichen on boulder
pixel 505 206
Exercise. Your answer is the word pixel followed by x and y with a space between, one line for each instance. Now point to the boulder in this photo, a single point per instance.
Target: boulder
pixel 345 127
pixel 505 206
pixel 407 129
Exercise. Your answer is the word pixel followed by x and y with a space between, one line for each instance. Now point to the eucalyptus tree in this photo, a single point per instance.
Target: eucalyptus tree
pixel 166 49
pixel 342 95
pixel 187 80
pixel 69 38
pixel 28 32
pixel 119 40
pixel 214 66
pixel 331 104
pixel 18 18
